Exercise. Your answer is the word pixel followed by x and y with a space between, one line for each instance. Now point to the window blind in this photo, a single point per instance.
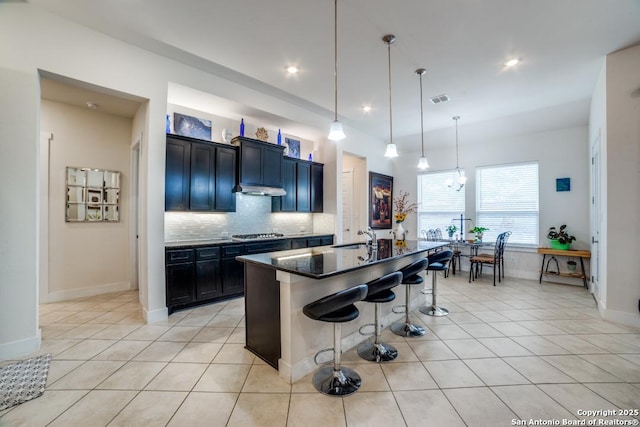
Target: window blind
pixel 438 204
pixel 507 199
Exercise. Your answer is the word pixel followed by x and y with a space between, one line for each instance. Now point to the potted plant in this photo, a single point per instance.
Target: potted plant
pixel 451 229
pixel 478 231
pixel 560 238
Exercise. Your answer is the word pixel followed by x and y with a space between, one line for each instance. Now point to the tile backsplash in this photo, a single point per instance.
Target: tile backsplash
pixel 253 215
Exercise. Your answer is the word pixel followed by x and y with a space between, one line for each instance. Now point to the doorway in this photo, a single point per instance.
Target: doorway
pixel 354 196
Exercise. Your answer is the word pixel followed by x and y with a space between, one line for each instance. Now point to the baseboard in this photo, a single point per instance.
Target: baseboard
pixel 623 317
pixel 90 291
pixel 151 316
pixel 19 348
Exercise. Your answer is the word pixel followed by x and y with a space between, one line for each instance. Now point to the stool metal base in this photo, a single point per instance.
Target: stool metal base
pixel 380 352
pixel 434 310
pixel 407 330
pixel 340 382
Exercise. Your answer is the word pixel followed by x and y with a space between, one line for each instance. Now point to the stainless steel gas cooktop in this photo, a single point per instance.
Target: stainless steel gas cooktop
pixel 261 236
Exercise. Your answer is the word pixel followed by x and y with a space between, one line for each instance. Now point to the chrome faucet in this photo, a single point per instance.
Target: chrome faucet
pixel 372 235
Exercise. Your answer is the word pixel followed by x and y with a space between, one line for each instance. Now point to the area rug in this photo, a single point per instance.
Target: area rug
pixel 23 381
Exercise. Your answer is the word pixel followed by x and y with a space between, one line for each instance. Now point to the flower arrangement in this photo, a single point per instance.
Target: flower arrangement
pixel 403 207
pixel 451 229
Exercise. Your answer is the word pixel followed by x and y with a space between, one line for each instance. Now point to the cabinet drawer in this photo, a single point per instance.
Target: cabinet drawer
pixel 207 253
pixel 278 245
pixel 179 256
pixel 232 250
pixel 298 243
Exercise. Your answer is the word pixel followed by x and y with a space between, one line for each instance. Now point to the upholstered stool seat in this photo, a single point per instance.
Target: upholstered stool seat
pixel 337 308
pixel 437 262
pixel 410 276
pixel 380 292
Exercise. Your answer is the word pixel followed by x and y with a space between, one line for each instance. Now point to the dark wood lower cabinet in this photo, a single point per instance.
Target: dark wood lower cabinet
pixel 199 275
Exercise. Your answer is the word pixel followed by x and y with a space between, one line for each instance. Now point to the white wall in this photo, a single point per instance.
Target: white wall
pixel 86 258
pixel 561 153
pixel 623 185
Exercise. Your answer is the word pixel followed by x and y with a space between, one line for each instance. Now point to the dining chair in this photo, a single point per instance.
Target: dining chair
pixel 493 260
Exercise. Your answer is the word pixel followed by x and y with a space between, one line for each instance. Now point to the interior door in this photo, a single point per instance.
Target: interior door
pixel 347 206
pixel 596 216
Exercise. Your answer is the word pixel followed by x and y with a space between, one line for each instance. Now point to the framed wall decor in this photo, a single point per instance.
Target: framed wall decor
pixel 92 195
pixel 191 126
pixel 380 201
pixel 563 184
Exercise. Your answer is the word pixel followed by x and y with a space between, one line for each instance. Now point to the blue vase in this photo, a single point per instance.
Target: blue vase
pixel 242 127
pixel 279 137
pixel 168 124
pixel 310 157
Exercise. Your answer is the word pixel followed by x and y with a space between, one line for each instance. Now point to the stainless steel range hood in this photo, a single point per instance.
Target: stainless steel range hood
pixel 258 190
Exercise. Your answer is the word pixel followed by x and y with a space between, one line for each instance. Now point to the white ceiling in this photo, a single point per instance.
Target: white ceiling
pixel 462 44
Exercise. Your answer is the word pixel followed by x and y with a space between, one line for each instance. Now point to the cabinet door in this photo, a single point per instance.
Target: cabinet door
pixel 180 284
pixel 177 175
pixel 251 163
pixel 286 203
pixel 317 193
pixel 202 177
pixel 208 283
pixel 272 166
pixel 298 243
pixel 232 276
pixel 303 188
pixel 225 199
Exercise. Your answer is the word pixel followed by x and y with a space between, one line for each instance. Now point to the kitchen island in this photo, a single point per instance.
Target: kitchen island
pixel 279 284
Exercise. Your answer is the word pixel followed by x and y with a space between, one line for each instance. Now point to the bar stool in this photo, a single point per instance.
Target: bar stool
pixel 410 277
pixel 336 308
pixel 437 262
pixel 380 292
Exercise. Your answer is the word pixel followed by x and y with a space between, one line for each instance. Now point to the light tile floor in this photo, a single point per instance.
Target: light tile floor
pixel 517 351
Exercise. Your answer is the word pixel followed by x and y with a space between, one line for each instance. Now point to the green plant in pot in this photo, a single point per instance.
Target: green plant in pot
pixel 560 238
pixel 451 229
pixel 478 232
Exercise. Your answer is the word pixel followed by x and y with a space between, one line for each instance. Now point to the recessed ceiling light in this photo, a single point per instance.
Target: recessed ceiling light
pixel 366 108
pixel 512 62
pixel 292 69
pixel 92 105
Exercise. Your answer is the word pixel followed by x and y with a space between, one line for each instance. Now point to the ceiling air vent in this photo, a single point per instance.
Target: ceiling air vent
pixel 439 99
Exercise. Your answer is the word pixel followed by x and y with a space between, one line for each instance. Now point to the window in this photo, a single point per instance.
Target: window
pixel 507 199
pixel 439 205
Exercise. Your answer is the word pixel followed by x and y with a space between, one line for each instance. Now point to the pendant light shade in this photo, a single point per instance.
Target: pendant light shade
pixel 335 130
pixel 423 163
pixel 391 150
pixel 461 179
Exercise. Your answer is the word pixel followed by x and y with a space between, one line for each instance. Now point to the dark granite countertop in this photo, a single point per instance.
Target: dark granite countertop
pixel 326 261
pixel 226 241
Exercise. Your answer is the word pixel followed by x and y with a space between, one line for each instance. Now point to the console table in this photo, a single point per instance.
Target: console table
pixel 581 254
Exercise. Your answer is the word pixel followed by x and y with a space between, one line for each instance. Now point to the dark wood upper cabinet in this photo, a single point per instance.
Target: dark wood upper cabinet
pixel 302 180
pixel 177 175
pixel 303 188
pixel 317 186
pixel 200 176
pixel 226 164
pixel 286 203
pixel 260 162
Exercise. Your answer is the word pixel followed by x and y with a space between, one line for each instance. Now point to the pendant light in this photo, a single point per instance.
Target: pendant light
pixel 462 180
pixel 422 163
pixel 391 150
pixel 335 130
